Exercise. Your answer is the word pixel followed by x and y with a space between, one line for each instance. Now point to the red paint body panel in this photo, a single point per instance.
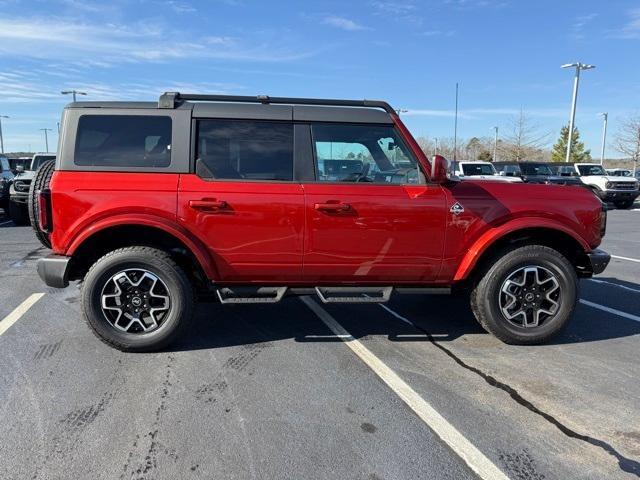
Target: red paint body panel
pixel 257 237
pixel 390 233
pixel 494 209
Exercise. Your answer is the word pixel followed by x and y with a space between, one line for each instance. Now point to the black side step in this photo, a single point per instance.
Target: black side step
pixel 251 295
pixel 354 294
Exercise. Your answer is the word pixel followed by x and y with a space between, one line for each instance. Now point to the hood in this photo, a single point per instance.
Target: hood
pixel 26 175
pixel 492 178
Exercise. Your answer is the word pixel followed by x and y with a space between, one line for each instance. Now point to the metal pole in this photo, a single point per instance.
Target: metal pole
pixel 455 129
pixel 604 136
pixel 436 149
pixel 74 98
pixel 495 145
pixel 46 138
pixel 1 139
pixel 576 82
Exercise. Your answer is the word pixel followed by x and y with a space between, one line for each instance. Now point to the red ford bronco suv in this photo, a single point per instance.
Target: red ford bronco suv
pixel 250 199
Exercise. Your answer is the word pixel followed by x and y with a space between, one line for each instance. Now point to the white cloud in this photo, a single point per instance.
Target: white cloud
pixel 343 23
pixel 475 113
pixel 42 88
pixel 66 40
pixel 579 24
pixel 631 29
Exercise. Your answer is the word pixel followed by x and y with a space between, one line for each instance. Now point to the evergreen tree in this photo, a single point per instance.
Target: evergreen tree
pixel 578 153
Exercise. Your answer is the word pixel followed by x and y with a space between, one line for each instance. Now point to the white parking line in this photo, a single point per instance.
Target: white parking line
pixel 626 258
pixel 13 317
pixel 475 459
pixel 636 290
pixel 620 313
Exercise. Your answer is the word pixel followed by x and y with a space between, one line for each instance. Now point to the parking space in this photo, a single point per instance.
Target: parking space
pixel 277 392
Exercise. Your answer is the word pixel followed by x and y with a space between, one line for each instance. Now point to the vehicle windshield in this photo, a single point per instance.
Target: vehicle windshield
pixel 535 169
pixel 40 159
pixel 591 170
pixel 621 173
pixel 471 169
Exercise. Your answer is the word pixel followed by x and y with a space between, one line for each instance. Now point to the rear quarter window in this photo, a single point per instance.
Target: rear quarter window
pixel 123 141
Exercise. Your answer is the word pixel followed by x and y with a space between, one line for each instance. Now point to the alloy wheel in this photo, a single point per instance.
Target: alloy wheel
pixel 529 296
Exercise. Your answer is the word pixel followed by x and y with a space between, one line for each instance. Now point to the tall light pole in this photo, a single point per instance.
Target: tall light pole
pixel 605 116
pixel 46 138
pixel 495 144
pixel 576 81
pixel 455 128
pixel 401 110
pixel 72 92
pixel 2 139
pixel 436 145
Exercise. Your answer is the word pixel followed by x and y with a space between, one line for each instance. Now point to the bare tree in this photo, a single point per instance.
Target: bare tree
pixel 627 140
pixel 524 140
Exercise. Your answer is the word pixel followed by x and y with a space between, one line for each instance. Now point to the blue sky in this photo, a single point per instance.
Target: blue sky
pixel 506 54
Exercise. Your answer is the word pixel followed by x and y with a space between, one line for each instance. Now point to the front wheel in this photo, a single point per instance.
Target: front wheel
pixel 526 296
pixel 137 299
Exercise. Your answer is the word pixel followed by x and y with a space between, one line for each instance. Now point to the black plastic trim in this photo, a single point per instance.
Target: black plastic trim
pixel 54 270
pixel 599 260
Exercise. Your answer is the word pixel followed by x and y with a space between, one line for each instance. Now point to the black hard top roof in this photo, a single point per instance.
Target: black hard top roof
pixel 261 107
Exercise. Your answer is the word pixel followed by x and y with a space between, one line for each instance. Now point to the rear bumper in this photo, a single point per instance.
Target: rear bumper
pixel 599 260
pixel 53 270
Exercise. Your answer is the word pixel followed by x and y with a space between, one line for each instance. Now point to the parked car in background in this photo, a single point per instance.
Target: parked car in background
pixel 534 172
pixel 479 171
pixel 6 177
pixel 622 191
pixel 19 190
pixel 619 172
pixel 16 162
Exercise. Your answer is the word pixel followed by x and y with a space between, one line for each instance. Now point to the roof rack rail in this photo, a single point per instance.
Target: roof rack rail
pixel 172 99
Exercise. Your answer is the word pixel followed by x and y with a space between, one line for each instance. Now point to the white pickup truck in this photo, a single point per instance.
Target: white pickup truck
pixel 622 191
pixel 480 171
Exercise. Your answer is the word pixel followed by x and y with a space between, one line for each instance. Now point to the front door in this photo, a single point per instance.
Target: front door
pixel 242 201
pixel 371 216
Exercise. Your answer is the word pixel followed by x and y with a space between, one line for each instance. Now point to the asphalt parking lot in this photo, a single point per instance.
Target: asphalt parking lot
pixel 270 392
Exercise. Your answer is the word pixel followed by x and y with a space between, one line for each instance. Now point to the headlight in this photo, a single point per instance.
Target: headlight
pixel 608 185
pixel 20 186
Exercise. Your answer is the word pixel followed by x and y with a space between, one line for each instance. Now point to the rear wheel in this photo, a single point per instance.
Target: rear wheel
pixel 137 299
pixel 526 295
pixel 18 214
pixel 40 181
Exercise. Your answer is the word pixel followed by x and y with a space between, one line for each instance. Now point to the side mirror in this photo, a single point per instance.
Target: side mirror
pixel 438 169
pixel 19 169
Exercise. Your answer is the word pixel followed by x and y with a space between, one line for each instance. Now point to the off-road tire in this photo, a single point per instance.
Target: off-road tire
pixel 18 214
pixel 40 182
pixel 161 265
pixel 485 293
pixel 624 204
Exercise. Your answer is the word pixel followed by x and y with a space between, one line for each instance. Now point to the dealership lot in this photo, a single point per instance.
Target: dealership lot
pixel 272 392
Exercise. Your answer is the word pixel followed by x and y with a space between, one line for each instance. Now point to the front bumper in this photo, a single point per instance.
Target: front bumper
pixel 599 260
pixel 21 198
pixel 615 195
pixel 54 270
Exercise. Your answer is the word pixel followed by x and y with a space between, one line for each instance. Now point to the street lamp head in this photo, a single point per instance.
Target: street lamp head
pixel 569 65
pixel 586 66
pixel 4 116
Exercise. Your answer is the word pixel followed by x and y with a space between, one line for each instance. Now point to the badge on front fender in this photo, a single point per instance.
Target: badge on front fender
pixel 456 209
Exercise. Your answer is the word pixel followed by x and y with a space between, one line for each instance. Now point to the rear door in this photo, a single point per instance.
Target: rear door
pixel 371 216
pixel 243 202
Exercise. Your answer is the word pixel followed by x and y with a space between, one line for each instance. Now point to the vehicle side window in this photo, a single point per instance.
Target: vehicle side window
pixel 123 141
pixel 4 164
pixel 362 153
pixel 250 150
